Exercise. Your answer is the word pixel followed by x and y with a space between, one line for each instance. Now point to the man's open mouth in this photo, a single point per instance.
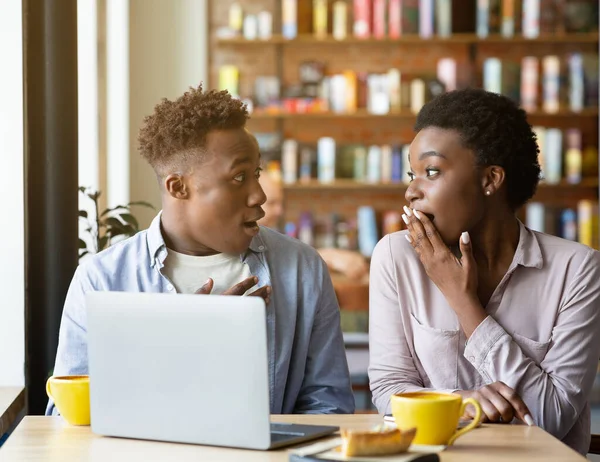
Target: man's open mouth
pixel 251 224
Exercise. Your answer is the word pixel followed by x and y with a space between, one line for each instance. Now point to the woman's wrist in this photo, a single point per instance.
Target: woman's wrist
pixel 463 301
pixel 470 312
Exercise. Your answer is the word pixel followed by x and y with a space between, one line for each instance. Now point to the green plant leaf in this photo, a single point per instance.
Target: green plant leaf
pixel 142 203
pixel 102 242
pixel 125 230
pixel 115 233
pixel 126 207
pixel 130 219
pixel 114 209
pixel 82 244
pixel 93 195
pixel 113 222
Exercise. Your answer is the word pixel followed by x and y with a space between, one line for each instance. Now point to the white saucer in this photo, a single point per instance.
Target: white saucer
pixel 390 422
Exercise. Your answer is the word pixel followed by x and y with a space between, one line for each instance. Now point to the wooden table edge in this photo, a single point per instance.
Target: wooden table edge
pixel 9 415
pixel 82 437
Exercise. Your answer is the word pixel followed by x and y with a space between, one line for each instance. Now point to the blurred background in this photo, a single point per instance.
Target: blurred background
pixel 333 88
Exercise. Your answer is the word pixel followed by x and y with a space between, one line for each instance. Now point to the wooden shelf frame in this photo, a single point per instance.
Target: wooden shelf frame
pixel 349 184
pixel 562 195
pixel 454 39
pixel 260 114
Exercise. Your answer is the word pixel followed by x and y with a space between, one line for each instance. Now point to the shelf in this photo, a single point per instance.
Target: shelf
pixel 405 114
pixel 308 39
pixel 359 114
pixel 413 39
pixel 348 184
pixel 343 184
pixel 586 183
pixel 587 112
pixel 590 37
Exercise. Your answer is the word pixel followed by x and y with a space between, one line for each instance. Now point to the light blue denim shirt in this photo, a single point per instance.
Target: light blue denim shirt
pixel 308 371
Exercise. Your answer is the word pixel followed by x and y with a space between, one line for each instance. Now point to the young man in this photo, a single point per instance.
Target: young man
pixel 207 240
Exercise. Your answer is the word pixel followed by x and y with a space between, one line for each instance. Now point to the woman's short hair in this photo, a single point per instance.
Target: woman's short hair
pixel 496 130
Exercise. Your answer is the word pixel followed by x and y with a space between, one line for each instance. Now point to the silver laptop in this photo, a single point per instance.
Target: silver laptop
pixel 184 368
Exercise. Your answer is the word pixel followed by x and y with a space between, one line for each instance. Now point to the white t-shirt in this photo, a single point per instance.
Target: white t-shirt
pixel 188 273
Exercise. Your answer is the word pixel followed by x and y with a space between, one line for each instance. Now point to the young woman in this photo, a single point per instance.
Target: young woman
pixel 469 300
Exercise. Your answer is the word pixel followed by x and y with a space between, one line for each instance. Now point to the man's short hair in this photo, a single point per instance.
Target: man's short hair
pixel 176 131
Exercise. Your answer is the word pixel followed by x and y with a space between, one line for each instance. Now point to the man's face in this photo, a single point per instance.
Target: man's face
pixel 445 182
pixel 273 207
pixel 225 198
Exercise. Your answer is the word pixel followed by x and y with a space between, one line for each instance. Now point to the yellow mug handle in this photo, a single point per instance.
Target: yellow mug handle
pixel 48 390
pixel 473 424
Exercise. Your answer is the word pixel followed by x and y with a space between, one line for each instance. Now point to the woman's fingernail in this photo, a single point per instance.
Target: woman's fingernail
pixel 465 238
pixel 405 218
pixel 417 214
pixel 269 289
pixel 206 283
pixel 529 420
pixel 408 238
pixel 407 211
pixel 255 280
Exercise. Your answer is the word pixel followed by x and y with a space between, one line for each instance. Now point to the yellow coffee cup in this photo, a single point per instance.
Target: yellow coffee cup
pixel 434 415
pixel 71 395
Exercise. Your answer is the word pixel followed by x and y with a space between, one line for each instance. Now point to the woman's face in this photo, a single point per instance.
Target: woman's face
pixel 445 183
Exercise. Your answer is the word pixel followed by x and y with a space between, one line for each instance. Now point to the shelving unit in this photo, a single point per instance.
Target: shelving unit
pixel 461 38
pixel 281 57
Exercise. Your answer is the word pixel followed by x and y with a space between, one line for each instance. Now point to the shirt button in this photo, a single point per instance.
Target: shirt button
pixel 170 288
pixel 261 247
pixel 471 358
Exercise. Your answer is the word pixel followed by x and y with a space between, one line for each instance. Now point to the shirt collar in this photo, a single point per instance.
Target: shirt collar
pixel 258 243
pixel 528 253
pixel 156 243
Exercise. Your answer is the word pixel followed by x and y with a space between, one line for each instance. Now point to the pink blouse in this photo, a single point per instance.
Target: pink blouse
pixel 541 336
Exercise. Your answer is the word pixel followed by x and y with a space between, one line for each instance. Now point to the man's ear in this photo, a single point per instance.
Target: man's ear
pixel 492 180
pixel 175 186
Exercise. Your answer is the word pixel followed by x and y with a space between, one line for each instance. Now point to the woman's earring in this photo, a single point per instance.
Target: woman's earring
pixel 487 193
